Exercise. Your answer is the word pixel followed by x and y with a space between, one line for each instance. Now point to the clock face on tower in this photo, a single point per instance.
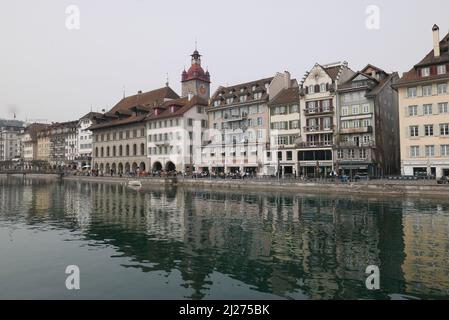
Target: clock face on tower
pixel 202 90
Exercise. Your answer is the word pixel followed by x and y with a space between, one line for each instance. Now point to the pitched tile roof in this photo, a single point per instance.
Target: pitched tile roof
pixel 91 115
pixel 183 105
pixel 242 89
pixel 145 99
pixel 135 118
pixel 290 95
pixel 429 60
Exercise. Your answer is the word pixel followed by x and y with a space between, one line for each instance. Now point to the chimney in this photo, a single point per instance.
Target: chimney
pixel 287 80
pixel 436 41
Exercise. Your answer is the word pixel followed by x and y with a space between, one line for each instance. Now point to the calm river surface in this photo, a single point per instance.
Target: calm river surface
pixel 192 244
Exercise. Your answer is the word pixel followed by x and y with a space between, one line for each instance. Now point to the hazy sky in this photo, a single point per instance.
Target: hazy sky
pixel 52 73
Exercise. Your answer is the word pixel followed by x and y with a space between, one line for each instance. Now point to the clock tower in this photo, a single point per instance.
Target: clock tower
pixel 195 80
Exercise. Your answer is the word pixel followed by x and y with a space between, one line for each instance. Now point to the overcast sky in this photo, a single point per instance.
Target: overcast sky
pixel 48 72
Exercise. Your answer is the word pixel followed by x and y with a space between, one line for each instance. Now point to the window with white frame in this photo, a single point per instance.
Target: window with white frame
pixel 351 153
pixel 442 107
pixel 323 87
pixel 355 109
pixel 414 151
pixel 367 123
pixel 442 88
pixel 344 111
pixel 340 154
pixel 444 150
pixel 412 92
pixel 413 111
pixel 427 109
pixel 428 130
pixel 430 151
pixel 444 129
pixel 414 131
pixel 441 69
pixel 427 91
pixel 425 72
pixel 366 108
pixel 366 139
pixel 294 108
pixel 362 154
pixel 311 89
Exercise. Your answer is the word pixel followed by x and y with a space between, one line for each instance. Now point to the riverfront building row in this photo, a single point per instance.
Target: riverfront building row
pixel 330 120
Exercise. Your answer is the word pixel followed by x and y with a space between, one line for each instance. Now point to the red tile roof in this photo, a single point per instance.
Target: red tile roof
pixel 429 60
pixel 145 99
pixel 290 95
pixel 183 105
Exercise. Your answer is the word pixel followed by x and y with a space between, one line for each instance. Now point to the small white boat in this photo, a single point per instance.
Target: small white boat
pixel 135 184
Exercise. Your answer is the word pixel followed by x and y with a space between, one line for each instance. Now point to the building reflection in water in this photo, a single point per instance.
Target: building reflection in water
pixel 289 245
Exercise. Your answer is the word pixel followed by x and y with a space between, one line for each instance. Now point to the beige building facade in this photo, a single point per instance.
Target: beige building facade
pixel 424 114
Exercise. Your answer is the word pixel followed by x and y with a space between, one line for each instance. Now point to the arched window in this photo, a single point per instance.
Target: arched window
pixel 108 152
pixel 102 152
pixel 96 152
pixel 142 149
pixel 127 150
pixel 135 150
pixel 120 151
pixel 114 151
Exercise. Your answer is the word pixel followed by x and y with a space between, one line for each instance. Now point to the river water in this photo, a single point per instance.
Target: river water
pixel 194 244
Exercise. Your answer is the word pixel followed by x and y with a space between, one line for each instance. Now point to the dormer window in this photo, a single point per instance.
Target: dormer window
pixel 243 98
pixel 254 88
pixel 441 69
pixel 217 103
pixel 229 100
pixel 258 96
pixel 425 72
pixel 172 109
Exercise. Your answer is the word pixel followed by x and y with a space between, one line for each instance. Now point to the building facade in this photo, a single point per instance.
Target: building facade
pixel 175 129
pixel 9 142
pixel 318 118
pixel 424 114
pixel 63 145
pixel 285 129
pixel 43 145
pixel 119 136
pixel 238 128
pixel 367 141
pixel 84 140
pixel 28 140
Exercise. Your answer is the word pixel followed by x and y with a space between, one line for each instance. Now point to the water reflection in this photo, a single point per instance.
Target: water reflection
pixel 291 246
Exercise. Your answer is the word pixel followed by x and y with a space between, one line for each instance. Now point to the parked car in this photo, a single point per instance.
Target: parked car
pixel 444 180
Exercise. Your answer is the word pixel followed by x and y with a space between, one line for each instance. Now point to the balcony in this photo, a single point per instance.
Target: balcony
pixel 316 129
pixel 232 118
pixel 319 144
pixel 318 111
pixel 368 129
pixel 353 144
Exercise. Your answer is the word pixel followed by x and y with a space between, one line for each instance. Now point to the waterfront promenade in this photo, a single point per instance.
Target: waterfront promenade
pixel 428 188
